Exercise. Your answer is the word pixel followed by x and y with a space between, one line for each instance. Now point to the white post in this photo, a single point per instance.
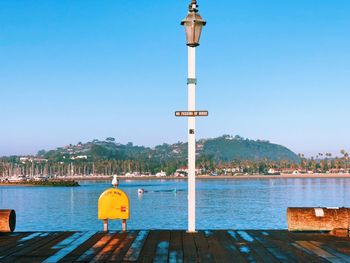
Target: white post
pixel 105 225
pixel 124 225
pixel 191 83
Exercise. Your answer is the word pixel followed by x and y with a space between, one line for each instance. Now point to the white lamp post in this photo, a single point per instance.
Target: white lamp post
pixel 193 24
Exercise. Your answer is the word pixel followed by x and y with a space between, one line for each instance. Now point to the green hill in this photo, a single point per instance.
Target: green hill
pixel 225 148
pixel 228 148
pixel 108 157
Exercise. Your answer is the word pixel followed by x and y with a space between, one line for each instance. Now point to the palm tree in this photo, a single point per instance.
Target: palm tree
pixel 345 157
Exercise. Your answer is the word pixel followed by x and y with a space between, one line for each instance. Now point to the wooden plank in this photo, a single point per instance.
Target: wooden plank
pixel 29 245
pixel 19 236
pixel 268 242
pixel 44 251
pixel 162 251
pixel 92 251
pixel 68 240
pixel 149 248
pixel 23 249
pixel 135 249
pixel 6 237
pixel 332 251
pixel 221 249
pixel 339 244
pixel 189 247
pixel 342 247
pixel 256 246
pixel 67 246
pixel 9 241
pixel 31 236
pixel 11 238
pixel 242 240
pixel 319 251
pixel 228 240
pixel 76 253
pixel 10 246
pixel 12 234
pixel 175 247
pixel 287 242
pixel 104 254
pixel 119 252
pixel 312 236
pixel 203 247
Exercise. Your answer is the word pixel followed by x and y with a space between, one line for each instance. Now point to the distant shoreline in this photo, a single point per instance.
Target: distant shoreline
pixel 201 177
pixel 208 177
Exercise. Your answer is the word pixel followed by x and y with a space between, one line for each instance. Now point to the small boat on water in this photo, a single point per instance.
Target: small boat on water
pixel 160 174
pixel 16 179
pixel 40 178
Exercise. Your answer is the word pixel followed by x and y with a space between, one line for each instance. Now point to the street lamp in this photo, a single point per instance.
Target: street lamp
pixel 193 24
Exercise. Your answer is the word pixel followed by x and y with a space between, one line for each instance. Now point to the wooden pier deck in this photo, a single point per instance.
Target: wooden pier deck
pixel 174 246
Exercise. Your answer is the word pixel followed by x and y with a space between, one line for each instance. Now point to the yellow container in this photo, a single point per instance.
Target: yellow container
pixel 113 204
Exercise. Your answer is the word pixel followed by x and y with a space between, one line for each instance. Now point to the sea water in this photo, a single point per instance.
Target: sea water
pixel 221 204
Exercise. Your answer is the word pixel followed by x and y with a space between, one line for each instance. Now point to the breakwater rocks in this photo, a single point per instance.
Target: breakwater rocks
pixel 49 182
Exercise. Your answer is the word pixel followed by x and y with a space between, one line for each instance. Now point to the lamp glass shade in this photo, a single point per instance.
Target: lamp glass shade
pixel 193 24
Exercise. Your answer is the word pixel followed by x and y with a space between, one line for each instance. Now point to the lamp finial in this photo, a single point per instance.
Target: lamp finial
pixel 193 6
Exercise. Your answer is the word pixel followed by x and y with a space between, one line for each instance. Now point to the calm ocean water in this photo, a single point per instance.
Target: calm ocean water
pixel 221 204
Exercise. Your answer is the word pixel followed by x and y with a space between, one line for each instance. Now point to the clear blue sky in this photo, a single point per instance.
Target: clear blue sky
pixel 78 70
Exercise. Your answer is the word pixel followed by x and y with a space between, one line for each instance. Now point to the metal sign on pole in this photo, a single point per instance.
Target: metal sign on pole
pixel 201 113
